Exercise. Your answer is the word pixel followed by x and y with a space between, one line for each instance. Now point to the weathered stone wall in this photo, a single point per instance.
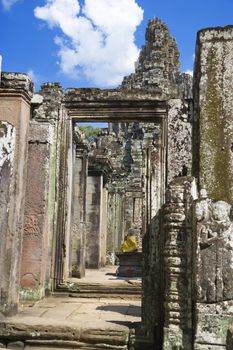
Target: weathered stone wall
pixel 158 62
pixel 214 272
pixel 104 228
pixel 178 264
pixel 78 238
pixel 152 282
pixel 94 221
pixel 179 148
pixel 35 240
pixel 48 108
pixel 115 226
pixel 230 339
pixel 213 103
pixel 168 270
pixel 7 149
pixel 157 68
pixel 15 94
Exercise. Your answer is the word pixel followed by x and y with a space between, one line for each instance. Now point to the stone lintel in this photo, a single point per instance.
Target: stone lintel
pixel 89 95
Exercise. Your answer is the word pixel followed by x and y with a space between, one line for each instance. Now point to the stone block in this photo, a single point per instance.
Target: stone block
pixel 15 95
pixel 230 339
pixel 17 345
pixel 130 264
pixel 213 322
pixel 213 107
pixel 179 161
pixel 35 243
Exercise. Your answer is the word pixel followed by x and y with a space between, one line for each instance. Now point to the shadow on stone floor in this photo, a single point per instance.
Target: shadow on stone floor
pixel 129 324
pixel 129 310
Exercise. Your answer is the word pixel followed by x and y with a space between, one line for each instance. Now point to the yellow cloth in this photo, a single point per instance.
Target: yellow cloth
pixel 129 245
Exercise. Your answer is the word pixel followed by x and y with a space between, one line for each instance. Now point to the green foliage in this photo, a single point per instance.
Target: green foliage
pixel 90 131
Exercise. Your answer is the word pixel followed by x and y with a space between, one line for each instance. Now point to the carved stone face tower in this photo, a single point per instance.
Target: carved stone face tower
pixel 157 69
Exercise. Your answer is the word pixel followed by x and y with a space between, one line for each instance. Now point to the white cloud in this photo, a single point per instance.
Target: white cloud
pixel 97 40
pixel 7 4
pixel 189 71
pixel 33 76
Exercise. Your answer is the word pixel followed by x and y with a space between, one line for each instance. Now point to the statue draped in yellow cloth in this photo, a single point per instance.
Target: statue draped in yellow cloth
pixel 130 243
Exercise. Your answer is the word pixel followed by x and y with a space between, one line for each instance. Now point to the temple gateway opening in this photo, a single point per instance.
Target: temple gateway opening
pixel 119 235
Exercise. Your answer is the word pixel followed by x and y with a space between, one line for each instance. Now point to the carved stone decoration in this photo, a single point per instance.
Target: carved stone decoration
pixel 215 248
pixel 178 260
pixel 157 68
pixel 47 103
pixel 214 272
pixel 179 157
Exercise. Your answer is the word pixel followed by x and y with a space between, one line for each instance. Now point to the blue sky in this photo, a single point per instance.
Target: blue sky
pixel 96 44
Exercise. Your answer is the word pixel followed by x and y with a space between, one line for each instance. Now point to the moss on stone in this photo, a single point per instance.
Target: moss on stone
pixel 216 173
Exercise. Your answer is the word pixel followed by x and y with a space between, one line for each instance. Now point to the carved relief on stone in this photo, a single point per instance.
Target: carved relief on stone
pixel 215 251
pixel 157 68
pixel 31 226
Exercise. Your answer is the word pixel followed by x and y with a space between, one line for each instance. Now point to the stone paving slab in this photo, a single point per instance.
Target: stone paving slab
pixel 75 322
pixel 86 321
pixel 106 276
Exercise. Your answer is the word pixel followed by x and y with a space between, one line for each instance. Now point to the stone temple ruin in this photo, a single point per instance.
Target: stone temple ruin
pixel 164 166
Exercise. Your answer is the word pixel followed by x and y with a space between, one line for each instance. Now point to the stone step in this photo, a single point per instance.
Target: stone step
pixel 98 290
pixel 107 295
pixel 30 336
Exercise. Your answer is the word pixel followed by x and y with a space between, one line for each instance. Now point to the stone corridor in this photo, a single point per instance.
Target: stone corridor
pixel 162 167
pixel 99 314
pixel 73 323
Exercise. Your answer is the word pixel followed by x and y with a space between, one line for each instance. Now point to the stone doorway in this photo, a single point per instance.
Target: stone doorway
pixel 146 121
pixel 118 185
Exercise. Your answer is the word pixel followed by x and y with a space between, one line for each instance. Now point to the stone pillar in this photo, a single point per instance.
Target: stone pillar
pixel 49 110
pixel 104 221
pixel 179 145
pixel 35 240
pixel 15 95
pixel 178 265
pixel 213 106
pixel 94 221
pixel 115 231
pixel 152 244
pixel 78 242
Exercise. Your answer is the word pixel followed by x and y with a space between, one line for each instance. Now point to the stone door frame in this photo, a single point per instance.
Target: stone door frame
pixel 116 111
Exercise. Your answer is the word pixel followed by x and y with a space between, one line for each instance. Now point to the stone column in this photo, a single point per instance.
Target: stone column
pixel 15 95
pixel 104 221
pixel 35 240
pixel 94 221
pixel 78 242
pixel 179 147
pixel 116 221
pixel 213 105
pixel 152 244
pixel 51 139
pixel 178 252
